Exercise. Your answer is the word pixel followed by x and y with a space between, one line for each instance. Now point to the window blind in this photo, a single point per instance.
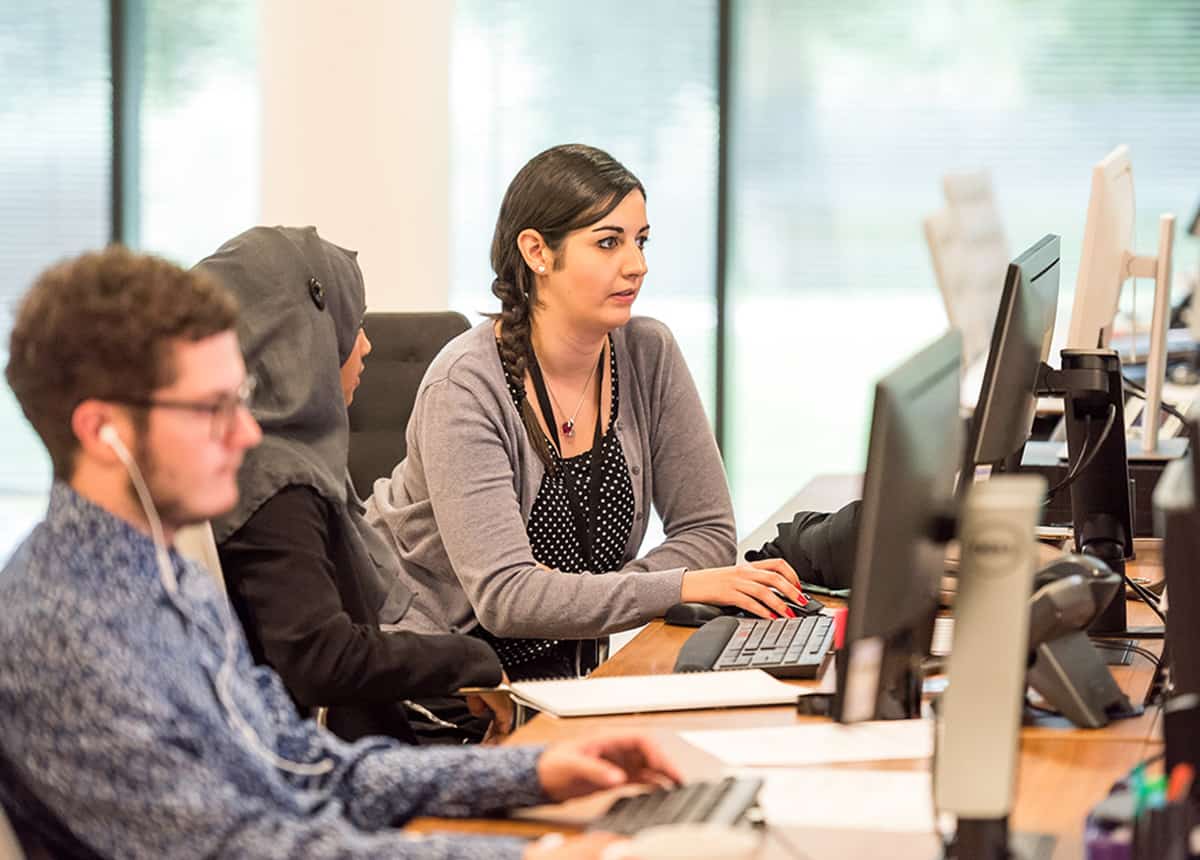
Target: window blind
pixel 844 118
pixel 55 175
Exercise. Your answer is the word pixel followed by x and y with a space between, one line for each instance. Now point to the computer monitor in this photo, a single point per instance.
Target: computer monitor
pixel 1024 325
pixel 1107 238
pixel 969 253
pixel 906 517
pixel 1178 521
pixel 1177 513
pixel 1107 261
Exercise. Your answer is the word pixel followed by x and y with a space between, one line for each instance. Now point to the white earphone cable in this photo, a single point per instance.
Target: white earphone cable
pixel 224 680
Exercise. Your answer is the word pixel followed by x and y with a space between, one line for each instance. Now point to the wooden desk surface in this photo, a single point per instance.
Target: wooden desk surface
pixel 1063 772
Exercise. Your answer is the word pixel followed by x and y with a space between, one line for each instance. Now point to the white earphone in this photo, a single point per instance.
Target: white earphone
pixel 109 436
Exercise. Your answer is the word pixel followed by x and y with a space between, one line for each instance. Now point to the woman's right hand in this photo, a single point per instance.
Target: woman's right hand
pixel 751 586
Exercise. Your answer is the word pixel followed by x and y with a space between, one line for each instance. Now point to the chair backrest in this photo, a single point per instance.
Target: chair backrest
pixel 402 346
pixel 196 542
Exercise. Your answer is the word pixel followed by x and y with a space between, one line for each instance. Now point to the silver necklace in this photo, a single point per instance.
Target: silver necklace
pixel 568 426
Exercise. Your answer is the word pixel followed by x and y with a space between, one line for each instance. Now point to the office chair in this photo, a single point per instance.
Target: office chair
pixel 196 543
pixel 970 256
pixel 402 346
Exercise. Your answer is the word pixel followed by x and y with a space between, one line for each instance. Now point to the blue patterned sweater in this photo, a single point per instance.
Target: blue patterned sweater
pixel 113 740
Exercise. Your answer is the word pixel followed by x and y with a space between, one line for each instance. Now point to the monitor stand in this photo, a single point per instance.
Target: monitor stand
pixel 990 839
pixel 1169 448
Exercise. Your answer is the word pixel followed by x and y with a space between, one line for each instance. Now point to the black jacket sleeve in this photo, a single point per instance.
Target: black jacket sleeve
pixel 818 546
pixel 299 599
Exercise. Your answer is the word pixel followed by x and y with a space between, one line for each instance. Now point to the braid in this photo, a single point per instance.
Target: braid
pixel 563 189
pixel 515 350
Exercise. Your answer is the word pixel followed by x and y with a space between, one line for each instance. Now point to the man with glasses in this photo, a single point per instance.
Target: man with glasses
pixel 134 721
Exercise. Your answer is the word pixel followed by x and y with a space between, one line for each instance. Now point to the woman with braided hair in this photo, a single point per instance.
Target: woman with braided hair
pixel 540 438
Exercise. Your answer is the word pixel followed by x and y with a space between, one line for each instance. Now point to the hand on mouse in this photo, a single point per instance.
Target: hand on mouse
pixel 753 586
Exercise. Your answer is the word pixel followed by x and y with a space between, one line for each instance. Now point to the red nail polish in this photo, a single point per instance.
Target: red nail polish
pixel 773 615
pixel 802 600
pixel 790 613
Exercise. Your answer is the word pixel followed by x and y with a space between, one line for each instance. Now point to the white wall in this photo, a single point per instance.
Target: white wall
pixel 356 132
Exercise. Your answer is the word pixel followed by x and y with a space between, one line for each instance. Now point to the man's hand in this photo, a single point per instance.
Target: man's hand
pixel 575 768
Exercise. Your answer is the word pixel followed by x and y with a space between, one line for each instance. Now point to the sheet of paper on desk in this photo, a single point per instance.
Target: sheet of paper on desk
pixel 817 743
pixel 891 800
pixel 631 694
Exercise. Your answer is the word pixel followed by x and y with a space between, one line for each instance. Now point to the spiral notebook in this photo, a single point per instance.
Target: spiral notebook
pixel 634 694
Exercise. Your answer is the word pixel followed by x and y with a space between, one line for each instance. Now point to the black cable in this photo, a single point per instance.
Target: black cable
pixel 1109 645
pixel 1088 454
pixel 1073 472
pixel 1145 593
pixel 1139 392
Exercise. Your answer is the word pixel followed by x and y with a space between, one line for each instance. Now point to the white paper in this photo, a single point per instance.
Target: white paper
pixel 817 743
pixel 627 694
pixel 894 801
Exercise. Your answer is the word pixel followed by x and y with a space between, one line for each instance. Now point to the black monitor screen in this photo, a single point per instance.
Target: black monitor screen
pixel 908 491
pixel 1020 343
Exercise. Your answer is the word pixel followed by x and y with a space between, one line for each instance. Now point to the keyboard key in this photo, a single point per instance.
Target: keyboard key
pixel 789 631
pixel 721 803
pixel 772 635
pixel 806 629
pixel 707 800
pixel 756 636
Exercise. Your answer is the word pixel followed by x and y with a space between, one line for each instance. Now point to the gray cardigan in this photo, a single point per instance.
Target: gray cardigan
pixel 456 507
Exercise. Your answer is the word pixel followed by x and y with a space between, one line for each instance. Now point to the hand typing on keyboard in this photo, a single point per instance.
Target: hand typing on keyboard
pixel 578 767
pixel 758 587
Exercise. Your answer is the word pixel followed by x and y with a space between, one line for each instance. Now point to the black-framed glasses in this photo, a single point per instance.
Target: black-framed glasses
pixel 222 412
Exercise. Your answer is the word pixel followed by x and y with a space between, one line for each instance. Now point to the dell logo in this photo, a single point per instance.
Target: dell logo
pixel 994 549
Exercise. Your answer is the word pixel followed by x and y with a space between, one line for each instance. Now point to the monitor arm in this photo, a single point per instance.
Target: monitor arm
pixel 1092 390
pixel 1052 382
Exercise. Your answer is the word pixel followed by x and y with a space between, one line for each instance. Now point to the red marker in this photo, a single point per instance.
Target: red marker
pixel 839 627
pixel 1181 781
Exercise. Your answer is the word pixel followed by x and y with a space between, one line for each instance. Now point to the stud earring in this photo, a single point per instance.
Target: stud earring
pixel 541 270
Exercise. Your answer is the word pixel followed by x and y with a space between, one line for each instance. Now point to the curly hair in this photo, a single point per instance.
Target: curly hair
pixel 102 325
pixel 560 190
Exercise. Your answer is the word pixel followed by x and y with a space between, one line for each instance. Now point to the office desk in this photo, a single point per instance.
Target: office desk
pixel 1063 771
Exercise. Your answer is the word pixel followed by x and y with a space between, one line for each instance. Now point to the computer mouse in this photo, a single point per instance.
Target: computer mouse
pixel 699 614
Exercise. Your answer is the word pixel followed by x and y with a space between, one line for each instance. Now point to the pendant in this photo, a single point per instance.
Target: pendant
pixel 568 428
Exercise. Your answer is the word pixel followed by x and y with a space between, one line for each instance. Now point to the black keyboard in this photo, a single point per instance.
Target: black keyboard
pixel 783 647
pixel 722 803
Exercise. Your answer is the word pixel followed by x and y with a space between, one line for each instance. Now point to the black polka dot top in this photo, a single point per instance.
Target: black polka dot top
pixel 555 541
